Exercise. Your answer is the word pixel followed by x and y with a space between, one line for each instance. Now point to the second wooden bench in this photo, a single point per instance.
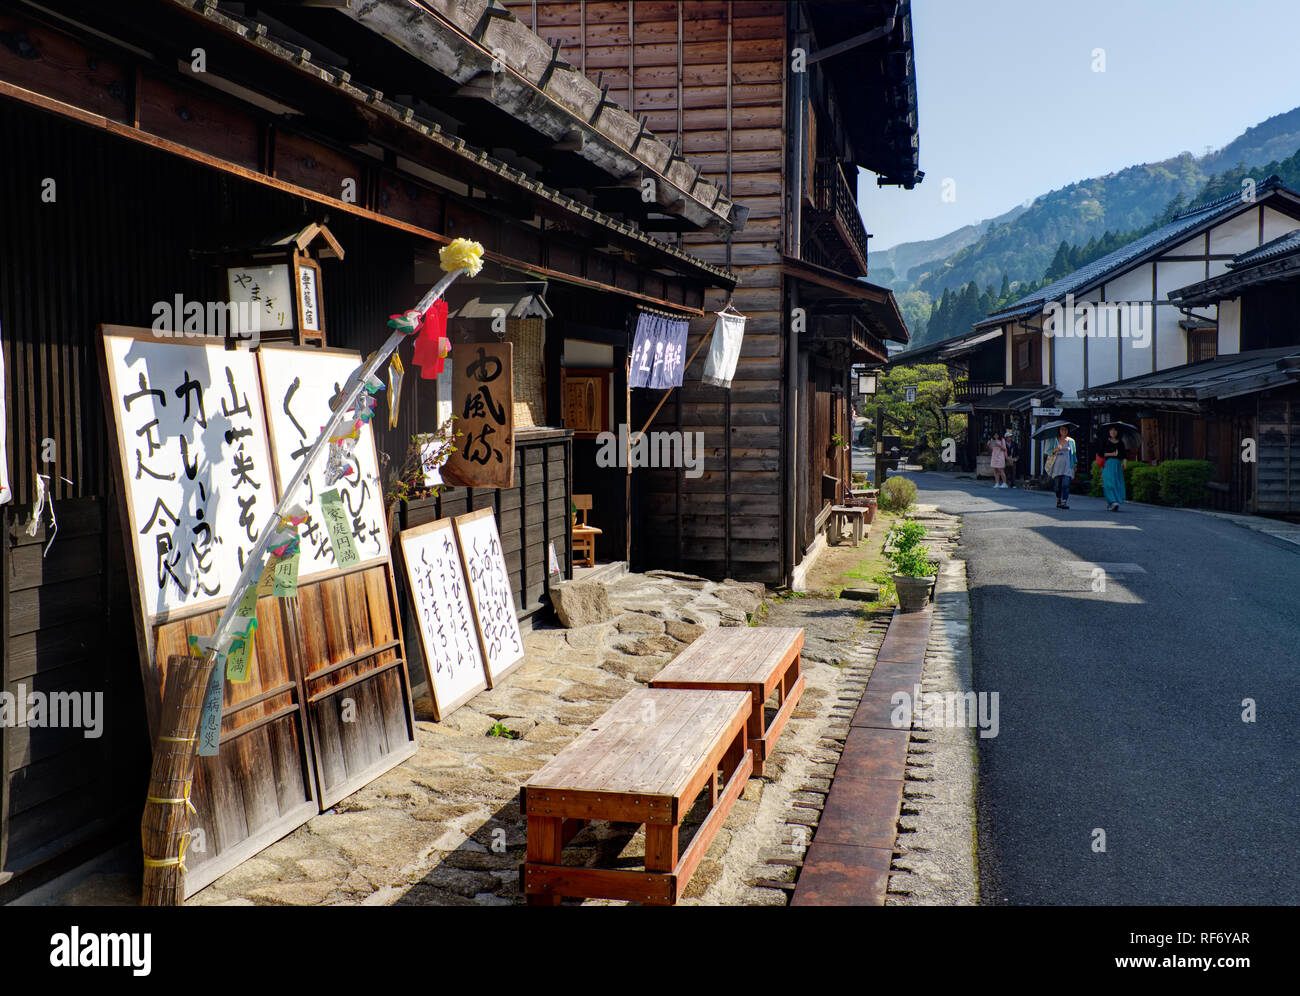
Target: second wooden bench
pixel 758 660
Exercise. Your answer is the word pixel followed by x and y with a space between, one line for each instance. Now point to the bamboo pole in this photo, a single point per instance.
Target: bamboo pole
pixel 165 826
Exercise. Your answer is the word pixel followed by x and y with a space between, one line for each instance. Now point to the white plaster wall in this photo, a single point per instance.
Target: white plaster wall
pixel 1276 223
pixel 1170 340
pixel 1171 276
pixel 1138 359
pixel 1236 234
pixel 1135 285
pixel 1069 365
pixel 1230 326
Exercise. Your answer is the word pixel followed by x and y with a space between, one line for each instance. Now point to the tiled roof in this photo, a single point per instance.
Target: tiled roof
pixel 1281 246
pixel 1183 224
pixel 1222 376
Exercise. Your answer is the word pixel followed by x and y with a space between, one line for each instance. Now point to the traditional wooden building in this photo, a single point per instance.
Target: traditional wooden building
pixel 1238 405
pixel 782 104
pixel 146 142
pixel 1115 318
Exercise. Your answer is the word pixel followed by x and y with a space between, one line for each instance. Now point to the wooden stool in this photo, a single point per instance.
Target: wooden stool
pixel 848 513
pixel 758 660
pixel 645 761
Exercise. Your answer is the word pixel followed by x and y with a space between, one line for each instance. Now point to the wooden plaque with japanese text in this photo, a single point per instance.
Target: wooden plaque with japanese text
pixel 482 391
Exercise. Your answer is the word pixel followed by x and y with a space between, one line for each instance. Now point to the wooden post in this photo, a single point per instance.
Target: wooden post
pixel 165 827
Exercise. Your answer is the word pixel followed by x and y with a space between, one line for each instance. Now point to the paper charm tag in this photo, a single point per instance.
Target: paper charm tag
pixel 241 648
pixel 285 584
pixel 265 584
pixel 340 532
pixel 209 732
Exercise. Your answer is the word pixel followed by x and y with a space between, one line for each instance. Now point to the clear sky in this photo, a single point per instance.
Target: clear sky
pixel 1010 106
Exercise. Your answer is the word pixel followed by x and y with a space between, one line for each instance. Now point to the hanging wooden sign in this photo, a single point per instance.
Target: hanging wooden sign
pixel 298 385
pixel 490 594
pixel 435 577
pixel 482 392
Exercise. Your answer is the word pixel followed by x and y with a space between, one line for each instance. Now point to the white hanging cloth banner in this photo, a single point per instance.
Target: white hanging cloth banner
pixel 5 494
pixel 724 350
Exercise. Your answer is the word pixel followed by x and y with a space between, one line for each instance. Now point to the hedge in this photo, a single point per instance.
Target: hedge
pixel 1146 484
pixel 1182 482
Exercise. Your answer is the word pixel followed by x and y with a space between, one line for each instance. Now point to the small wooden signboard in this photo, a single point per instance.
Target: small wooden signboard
pixel 435 576
pixel 490 596
pixel 482 401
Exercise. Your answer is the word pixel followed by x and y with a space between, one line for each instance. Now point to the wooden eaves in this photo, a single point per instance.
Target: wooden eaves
pixel 492 174
pixel 494 57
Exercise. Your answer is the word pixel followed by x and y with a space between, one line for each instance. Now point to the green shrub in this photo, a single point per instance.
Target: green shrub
pixel 914 562
pixel 1128 475
pixel 897 494
pixel 1094 489
pixel 905 535
pixel 1182 482
pixel 1146 483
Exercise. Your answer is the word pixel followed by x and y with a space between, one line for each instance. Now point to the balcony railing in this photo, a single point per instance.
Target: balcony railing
pixel 969 390
pixel 835 220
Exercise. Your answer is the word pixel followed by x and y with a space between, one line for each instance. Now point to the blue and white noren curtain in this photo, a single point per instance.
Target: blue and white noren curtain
pixel 658 352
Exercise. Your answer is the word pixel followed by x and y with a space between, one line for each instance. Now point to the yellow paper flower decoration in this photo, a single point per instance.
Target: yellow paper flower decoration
pixel 461 254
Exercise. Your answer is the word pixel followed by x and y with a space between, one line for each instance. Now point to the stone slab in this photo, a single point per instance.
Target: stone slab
pixel 842 875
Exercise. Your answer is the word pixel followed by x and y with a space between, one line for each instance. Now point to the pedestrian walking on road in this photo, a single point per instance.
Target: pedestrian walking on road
pixel 1060 465
pixel 1112 473
pixel 998 459
pixel 1013 454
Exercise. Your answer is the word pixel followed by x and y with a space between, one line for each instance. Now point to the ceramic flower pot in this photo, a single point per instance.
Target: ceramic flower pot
pixel 913 593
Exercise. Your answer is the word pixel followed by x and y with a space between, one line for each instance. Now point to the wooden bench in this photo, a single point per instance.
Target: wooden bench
pixel 645 761
pixel 756 660
pixel 852 514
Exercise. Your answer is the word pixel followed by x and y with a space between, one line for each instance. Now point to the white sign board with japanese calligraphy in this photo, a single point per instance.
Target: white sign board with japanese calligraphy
pixel 298 383
pixel 195 462
pixel 489 591
pixel 453 657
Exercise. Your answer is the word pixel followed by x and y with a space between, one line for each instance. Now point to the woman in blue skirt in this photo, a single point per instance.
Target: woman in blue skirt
pixel 1112 474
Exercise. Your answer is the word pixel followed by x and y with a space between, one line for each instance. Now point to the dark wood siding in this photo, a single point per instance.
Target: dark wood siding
pixel 726 106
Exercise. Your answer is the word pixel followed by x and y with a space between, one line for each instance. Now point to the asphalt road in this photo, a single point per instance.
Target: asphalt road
pixel 1121 709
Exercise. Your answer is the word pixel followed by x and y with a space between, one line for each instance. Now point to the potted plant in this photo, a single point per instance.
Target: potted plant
pixel 913 571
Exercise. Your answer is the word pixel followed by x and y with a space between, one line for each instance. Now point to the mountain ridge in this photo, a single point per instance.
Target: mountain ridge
pixel 1017 247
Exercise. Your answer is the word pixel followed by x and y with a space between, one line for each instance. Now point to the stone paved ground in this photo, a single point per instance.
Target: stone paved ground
pixel 444 827
pixel 934 855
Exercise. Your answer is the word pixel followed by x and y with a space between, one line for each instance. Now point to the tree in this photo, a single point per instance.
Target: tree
pixel 929 424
